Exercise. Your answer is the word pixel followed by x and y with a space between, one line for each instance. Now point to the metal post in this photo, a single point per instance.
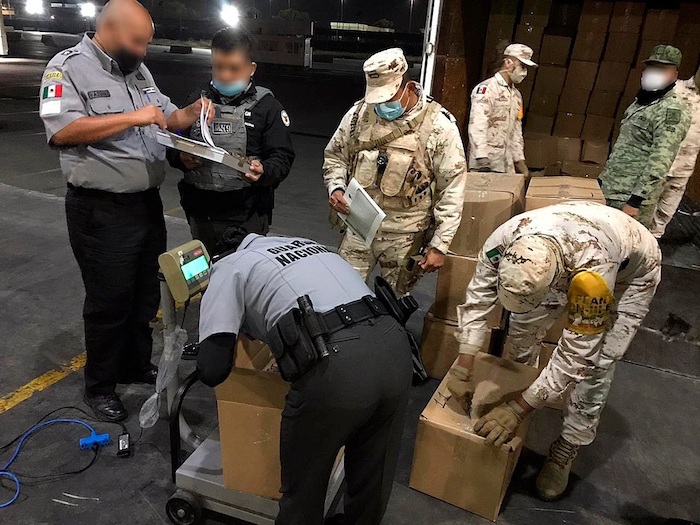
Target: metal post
pixel 167 306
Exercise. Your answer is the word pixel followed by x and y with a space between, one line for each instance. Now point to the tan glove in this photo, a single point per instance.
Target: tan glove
pixel 499 425
pixel 521 167
pixel 461 386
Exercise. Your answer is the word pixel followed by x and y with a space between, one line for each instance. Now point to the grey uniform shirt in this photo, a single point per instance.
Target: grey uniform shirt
pixel 251 289
pixel 83 81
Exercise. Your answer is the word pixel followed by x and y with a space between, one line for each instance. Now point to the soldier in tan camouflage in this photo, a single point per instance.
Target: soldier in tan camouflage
pixel 405 150
pixel 495 119
pixel 652 130
pixel 596 263
pixel 684 165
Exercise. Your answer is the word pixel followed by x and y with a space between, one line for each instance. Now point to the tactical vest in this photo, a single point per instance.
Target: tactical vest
pixel 228 131
pixel 406 181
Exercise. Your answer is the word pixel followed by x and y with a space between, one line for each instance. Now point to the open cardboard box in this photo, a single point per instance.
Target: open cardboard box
pixel 250 404
pixel 450 461
pixel 544 191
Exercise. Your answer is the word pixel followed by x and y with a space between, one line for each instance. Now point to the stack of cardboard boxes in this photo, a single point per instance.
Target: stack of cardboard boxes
pixel 602 69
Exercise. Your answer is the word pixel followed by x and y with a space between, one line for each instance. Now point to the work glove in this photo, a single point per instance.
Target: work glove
pixel 483 164
pixel 461 386
pixel 521 168
pixel 499 425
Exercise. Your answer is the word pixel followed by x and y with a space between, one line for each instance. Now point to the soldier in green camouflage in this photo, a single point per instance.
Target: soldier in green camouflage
pixel 652 130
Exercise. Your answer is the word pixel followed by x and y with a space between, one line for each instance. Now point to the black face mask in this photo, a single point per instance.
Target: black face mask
pixel 127 61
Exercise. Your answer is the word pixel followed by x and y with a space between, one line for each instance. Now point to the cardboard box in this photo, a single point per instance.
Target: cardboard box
pixel 588 46
pixel 540 152
pixel 535 12
pixel 550 80
pixel 565 16
pixel 539 124
pixel 660 24
pixel 553 169
pixel 252 354
pixel 612 76
pixel 597 128
pixel 689 44
pixel 453 279
pixel 633 84
pixel 645 47
pixel 544 104
pixel 574 101
pixel 500 28
pixel 581 75
pixel 627 17
pixel 584 170
pixel 504 7
pixel 595 152
pixel 545 191
pixel 555 50
pixel 453 464
pixel 592 23
pixel 530 35
pixel 490 200
pixel 569 125
pixel 603 103
pixel 250 404
pixel 568 148
pixel 621 47
pixel 597 7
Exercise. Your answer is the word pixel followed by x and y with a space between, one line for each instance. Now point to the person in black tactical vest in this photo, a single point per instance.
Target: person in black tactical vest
pixel 249 121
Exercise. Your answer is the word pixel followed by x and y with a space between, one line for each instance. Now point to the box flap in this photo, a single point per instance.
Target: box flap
pixel 253 387
pixel 510 183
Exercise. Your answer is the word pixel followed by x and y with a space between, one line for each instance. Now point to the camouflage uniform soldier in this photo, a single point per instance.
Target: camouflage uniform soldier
pixel 405 150
pixel 496 117
pixel 652 130
pixel 600 264
pixel 683 166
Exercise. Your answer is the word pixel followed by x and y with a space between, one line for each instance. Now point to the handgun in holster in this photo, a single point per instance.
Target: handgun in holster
pixel 401 310
pixel 298 340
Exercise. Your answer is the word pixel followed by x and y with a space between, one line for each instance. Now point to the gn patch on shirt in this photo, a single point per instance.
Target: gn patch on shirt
pixel 51 100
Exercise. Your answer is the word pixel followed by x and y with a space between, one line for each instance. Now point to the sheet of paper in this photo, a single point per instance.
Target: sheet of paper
pixel 365 215
pixel 204 123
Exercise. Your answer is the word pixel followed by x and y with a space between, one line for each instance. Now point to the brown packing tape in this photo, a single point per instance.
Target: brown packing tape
pixel 471 475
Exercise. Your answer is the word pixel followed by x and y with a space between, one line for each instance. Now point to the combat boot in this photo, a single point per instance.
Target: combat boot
pixel 554 476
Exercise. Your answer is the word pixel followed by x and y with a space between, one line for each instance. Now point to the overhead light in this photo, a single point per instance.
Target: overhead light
pixel 230 15
pixel 88 10
pixel 35 7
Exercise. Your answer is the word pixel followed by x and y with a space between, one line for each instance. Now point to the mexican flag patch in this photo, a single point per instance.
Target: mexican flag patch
pixel 52 91
pixel 481 90
pixel 494 256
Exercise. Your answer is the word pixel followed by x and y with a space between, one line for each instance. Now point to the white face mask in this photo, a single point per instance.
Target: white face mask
pixel 518 74
pixel 654 80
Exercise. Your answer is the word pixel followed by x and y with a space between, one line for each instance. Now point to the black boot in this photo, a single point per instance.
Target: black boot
pixel 107 407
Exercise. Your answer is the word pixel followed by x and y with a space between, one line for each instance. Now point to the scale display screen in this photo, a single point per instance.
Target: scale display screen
pixel 195 268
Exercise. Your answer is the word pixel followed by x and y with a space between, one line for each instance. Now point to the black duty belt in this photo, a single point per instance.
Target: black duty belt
pixel 352 313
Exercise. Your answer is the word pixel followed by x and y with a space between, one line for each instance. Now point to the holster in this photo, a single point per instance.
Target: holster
pixel 292 346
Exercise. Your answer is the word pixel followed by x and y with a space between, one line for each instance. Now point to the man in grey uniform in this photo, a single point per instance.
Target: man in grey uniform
pixel 355 397
pixel 102 109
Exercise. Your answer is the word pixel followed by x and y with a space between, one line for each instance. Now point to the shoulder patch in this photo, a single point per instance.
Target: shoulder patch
pixel 673 116
pixel 449 115
pixel 53 75
pixel 495 255
pixel 590 302
pixel 481 90
pixel 285 118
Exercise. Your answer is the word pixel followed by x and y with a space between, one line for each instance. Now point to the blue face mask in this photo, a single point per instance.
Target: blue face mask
pixel 390 110
pixel 232 88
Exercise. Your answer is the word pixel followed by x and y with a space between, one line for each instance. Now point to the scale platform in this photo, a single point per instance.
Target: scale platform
pixel 201 479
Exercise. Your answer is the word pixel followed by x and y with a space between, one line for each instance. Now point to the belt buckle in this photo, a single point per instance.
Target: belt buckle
pixel 345 316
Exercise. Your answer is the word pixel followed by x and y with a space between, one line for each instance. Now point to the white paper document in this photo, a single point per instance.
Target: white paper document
pixel 365 215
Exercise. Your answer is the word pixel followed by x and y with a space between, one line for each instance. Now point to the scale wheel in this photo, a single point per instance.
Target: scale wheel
pixel 183 508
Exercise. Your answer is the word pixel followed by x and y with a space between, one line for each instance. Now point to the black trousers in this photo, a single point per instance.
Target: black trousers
pixel 116 239
pixel 355 398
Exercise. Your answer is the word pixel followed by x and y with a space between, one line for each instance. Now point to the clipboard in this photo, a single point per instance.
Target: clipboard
pixel 203 150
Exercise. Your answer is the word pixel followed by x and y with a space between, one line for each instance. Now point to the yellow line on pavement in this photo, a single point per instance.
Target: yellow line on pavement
pixel 42 382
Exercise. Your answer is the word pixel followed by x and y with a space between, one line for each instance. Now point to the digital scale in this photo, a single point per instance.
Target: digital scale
pixel 199 479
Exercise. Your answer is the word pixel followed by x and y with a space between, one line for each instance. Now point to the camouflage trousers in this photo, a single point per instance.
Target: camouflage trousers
pixel 646 212
pixel 587 398
pixel 671 195
pixel 389 250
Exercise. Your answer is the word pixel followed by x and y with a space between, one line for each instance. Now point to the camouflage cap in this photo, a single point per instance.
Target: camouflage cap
pixel 384 73
pixel 665 54
pixel 521 52
pixel 526 272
